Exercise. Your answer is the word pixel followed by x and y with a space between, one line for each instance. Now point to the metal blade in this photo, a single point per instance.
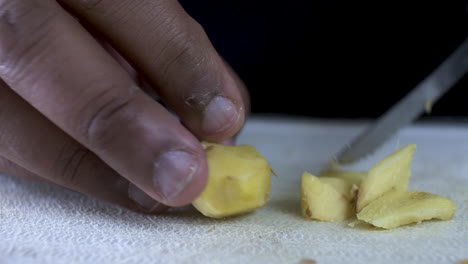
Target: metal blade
pixel 447 74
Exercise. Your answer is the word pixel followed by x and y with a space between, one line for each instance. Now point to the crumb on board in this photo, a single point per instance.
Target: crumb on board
pixel 211 229
pixel 274 173
pixel 354 223
pixel 307 261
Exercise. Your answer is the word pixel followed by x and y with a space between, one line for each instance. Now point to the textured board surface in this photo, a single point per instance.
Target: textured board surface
pixel 44 224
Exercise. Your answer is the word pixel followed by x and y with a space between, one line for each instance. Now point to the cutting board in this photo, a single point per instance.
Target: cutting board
pixel 44 224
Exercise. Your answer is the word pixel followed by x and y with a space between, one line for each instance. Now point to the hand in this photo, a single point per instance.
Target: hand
pixel 71 113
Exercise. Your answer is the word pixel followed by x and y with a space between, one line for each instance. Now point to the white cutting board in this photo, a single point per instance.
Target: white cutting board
pixel 42 224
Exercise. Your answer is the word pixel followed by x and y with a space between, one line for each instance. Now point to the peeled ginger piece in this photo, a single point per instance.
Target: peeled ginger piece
pixel 238 181
pixel 397 208
pixel 327 199
pixel 382 199
pixel 390 173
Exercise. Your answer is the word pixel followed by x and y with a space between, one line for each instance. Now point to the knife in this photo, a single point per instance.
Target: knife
pixel 427 92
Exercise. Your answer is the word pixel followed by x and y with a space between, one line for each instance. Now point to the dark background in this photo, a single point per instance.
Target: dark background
pixel 332 58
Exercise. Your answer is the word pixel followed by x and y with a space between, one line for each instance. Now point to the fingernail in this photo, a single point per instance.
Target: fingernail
pixel 219 114
pixel 173 172
pixel 143 200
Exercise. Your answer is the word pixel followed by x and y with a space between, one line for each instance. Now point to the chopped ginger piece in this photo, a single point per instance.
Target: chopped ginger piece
pixel 390 173
pixel 326 199
pixel 381 194
pixel 238 181
pixel 397 208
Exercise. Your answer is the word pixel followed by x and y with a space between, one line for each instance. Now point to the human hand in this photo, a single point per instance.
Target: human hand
pixel 71 113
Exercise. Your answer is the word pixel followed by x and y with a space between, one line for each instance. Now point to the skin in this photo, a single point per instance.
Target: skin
pixel 79 79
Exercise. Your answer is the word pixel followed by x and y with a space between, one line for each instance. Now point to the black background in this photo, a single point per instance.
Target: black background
pixel 332 58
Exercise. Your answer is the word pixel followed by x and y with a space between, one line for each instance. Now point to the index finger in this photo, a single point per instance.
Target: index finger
pixel 55 65
pixel 174 53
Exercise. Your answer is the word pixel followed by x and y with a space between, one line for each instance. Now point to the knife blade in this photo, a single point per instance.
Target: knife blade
pixel 410 107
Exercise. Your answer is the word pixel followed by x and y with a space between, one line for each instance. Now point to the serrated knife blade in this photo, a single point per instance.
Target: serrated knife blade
pixel 445 76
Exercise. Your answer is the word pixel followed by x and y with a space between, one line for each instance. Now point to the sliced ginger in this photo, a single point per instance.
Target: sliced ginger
pixel 330 197
pixel 390 173
pixel 352 177
pixel 382 198
pixel 238 181
pixel 397 208
pixel 326 199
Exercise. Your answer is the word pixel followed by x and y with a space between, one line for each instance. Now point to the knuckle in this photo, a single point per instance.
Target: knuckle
pixel 182 50
pixel 24 29
pixel 69 163
pixel 106 119
pixel 173 59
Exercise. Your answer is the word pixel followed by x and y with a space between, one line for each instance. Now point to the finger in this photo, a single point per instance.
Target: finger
pixel 138 78
pixel 55 65
pixel 143 202
pixel 150 90
pixel 10 168
pixel 33 148
pixel 173 51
